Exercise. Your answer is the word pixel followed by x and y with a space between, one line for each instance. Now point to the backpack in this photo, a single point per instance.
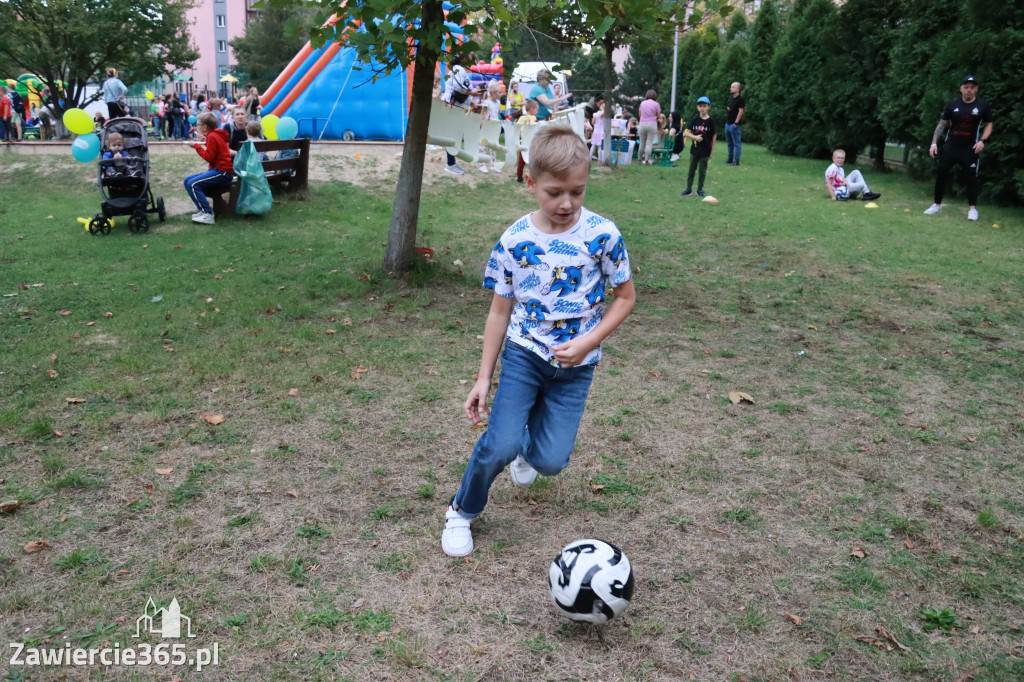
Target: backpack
pixel 17 103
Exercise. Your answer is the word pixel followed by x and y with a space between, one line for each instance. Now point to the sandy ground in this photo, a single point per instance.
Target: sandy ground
pixel 365 164
pixel 361 163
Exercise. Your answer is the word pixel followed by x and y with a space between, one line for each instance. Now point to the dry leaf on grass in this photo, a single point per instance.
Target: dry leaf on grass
pixel 73 401
pixel 892 638
pixel 9 506
pixel 53 358
pixel 35 546
pixel 52 373
pixel 358 370
pixel 213 419
pixel 293 392
pixel 797 620
pixel 859 553
pixel 737 397
pixel 165 472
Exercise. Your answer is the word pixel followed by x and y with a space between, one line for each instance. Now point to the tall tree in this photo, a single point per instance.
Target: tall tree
pixel 795 115
pixel 270 41
pixel 75 40
pixel 765 33
pixel 858 42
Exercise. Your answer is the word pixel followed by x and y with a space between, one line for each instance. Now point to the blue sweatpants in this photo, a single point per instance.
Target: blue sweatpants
pixel 196 184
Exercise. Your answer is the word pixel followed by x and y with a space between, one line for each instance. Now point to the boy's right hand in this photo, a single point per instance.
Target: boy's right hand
pixel 476 403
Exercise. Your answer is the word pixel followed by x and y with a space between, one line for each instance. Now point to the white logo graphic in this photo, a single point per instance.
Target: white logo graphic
pixel 170 621
pixel 956 110
pixel 975 111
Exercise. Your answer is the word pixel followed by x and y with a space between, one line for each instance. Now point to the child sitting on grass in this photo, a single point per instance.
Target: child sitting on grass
pixel 212 146
pixel 550 272
pixel 835 177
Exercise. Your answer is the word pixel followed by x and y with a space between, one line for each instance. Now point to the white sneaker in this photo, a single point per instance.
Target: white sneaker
pixel 483 168
pixel 522 473
pixel 455 169
pixel 972 214
pixel 203 218
pixel 195 216
pixel 675 157
pixel 933 209
pixel 456 538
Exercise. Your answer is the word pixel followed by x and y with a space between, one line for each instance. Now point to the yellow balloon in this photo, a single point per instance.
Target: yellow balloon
pixel 270 127
pixel 149 94
pixel 78 121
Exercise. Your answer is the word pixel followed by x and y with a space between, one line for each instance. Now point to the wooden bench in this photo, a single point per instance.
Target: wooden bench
pixel 290 175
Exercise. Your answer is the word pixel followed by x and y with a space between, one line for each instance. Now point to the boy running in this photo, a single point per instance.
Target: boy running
pixel 549 272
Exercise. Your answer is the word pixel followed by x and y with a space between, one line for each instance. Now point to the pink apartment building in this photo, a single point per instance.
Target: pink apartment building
pixel 214 24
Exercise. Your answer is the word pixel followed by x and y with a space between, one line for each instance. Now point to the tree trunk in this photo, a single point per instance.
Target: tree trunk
pixel 879 160
pixel 405 213
pixel 609 76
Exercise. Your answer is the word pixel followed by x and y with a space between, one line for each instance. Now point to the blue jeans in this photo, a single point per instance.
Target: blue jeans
pixel 208 179
pixel 536 413
pixel 732 136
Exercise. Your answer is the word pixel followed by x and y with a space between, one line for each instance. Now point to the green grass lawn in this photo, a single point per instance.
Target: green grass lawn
pixel 254 419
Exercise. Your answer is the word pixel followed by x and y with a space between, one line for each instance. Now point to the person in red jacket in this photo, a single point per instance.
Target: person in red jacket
pixel 212 145
pixel 5 114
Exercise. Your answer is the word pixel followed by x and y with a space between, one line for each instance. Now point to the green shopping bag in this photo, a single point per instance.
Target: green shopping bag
pixel 254 197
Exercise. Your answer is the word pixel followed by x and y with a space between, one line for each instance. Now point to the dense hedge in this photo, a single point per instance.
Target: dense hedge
pixel 817 76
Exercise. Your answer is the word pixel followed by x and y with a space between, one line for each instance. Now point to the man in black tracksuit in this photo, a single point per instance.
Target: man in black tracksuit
pixel 969 122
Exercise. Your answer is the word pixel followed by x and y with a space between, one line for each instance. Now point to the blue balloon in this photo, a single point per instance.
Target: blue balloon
pixel 86 147
pixel 192 120
pixel 287 128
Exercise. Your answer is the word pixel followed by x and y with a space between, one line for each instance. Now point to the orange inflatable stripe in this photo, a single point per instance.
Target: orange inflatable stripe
pixel 304 82
pixel 287 73
pixel 294 64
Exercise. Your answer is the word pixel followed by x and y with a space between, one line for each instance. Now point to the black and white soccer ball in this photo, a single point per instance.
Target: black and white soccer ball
pixel 591 581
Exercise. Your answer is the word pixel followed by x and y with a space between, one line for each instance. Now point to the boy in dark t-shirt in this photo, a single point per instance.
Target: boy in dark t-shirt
pixel 967 122
pixel 702 131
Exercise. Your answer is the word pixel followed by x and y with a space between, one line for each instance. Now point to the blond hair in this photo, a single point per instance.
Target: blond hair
pixel 531 105
pixel 254 129
pixel 115 137
pixel 208 119
pixel 559 151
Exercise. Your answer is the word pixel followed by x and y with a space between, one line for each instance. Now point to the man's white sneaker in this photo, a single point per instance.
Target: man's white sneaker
pixel 933 209
pixel 522 473
pixel 972 214
pixel 203 218
pixel 455 169
pixel 196 215
pixel 483 168
pixel 674 158
pixel 456 538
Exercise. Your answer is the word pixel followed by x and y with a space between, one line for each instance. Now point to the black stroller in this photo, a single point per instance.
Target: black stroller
pixel 124 181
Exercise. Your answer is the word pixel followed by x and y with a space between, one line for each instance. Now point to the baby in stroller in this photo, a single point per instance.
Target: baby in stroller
pixel 124 163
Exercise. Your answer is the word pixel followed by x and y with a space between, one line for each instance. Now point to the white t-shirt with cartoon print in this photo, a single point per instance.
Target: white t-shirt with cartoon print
pixel 835 175
pixel 558 280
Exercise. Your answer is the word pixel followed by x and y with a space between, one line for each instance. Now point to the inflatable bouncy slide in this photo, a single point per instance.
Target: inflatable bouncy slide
pixel 333 95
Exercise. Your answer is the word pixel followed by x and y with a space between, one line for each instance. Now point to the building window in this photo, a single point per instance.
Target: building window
pixel 222 71
pixel 222 46
pixel 222 21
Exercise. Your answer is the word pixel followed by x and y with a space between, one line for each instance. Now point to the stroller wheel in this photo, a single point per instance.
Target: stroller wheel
pixel 138 222
pixel 160 209
pixel 98 225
